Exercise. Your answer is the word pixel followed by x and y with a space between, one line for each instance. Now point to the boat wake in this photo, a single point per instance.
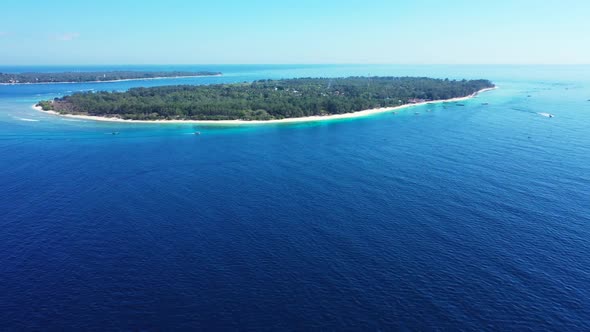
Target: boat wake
pixel 28 120
pixel 522 110
pixel 548 115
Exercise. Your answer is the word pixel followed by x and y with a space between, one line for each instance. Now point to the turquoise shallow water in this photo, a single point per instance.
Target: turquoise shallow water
pixel 473 217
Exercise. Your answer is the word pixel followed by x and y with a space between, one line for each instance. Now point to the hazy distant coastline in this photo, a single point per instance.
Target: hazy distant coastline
pixel 91 77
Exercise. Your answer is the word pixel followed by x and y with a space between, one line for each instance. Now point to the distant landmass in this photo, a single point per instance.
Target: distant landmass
pixel 99 76
pixel 264 99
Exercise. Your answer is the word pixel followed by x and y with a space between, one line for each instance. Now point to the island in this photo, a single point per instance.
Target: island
pixel 264 100
pixel 95 76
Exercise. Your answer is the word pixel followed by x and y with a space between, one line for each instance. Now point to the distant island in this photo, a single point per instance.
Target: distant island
pixel 98 76
pixel 263 100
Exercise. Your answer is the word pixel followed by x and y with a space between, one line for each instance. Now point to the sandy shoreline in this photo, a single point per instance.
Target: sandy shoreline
pixel 111 81
pixel 289 120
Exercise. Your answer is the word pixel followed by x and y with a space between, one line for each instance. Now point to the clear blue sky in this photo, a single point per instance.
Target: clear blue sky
pixel 302 31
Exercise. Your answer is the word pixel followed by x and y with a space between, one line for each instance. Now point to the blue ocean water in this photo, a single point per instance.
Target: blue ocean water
pixel 474 217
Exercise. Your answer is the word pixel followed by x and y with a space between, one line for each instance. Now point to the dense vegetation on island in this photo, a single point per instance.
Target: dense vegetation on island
pixel 264 99
pixel 100 76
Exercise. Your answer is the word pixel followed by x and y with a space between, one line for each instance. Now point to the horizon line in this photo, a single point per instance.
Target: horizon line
pixel 297 64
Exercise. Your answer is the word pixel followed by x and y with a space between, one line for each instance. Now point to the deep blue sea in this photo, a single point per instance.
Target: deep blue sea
pixel 474 217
